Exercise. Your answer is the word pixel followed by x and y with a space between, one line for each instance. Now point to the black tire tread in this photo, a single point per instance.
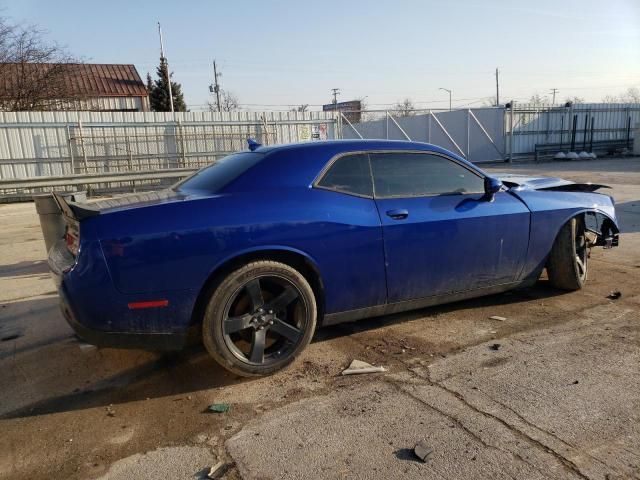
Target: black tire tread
pixel 562 268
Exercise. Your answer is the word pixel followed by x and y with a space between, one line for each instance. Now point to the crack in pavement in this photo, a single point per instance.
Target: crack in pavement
pixel 568 464
pixel 566 444
pixel 398 386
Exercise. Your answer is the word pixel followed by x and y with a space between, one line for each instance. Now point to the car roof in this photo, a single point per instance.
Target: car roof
pixel 298 164
pixel 353 145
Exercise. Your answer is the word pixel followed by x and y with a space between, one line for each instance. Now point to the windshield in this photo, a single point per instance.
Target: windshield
pixel 215 177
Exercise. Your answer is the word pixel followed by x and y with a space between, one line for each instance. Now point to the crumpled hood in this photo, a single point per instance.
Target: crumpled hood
pixel 546 183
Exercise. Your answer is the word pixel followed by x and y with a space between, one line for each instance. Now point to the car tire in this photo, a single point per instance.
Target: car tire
pixel 264 305
pixel 568 261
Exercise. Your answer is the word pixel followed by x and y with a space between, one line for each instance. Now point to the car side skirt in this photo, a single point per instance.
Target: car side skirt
pixel 414 304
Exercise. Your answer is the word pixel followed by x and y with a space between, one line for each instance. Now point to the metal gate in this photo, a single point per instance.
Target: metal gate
pixel 476 134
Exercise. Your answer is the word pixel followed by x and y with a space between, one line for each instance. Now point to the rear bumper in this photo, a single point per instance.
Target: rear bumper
pixel 94 314
pixel 143 341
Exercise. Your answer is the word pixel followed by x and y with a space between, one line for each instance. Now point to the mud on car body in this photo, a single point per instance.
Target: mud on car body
pixel 256 250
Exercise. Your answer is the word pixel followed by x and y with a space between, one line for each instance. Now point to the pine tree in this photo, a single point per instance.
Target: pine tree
pixel 159 91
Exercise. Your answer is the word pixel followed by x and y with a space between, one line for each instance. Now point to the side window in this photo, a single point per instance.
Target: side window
pixel 349 174
pixel 413 174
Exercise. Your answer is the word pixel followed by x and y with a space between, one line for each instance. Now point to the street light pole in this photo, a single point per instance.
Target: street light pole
pixel 449 91
pixel 167 65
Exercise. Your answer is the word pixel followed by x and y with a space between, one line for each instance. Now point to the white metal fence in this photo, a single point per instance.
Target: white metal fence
pixel 476 134
pixel 521 131
pixel 570 127
pixel 43 144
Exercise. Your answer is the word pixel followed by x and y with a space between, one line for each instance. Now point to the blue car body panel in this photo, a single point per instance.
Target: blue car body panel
pixel 474 241
pixel 168 246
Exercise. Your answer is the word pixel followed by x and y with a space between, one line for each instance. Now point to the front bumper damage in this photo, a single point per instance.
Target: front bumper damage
pixel 605 232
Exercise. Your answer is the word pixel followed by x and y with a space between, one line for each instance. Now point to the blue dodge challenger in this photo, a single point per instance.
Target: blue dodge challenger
pixel 256 250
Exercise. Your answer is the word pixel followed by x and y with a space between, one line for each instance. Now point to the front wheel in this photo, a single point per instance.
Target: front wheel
pixel 568 260
pixel 259 318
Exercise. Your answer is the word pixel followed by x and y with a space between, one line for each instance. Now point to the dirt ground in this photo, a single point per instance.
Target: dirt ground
pixel 557 398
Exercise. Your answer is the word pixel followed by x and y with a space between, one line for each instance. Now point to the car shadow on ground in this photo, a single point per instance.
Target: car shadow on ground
pixel 193 370
pixel 541 290
pixel 25 268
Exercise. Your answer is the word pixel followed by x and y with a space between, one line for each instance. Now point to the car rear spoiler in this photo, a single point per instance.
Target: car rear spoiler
pixel 73 210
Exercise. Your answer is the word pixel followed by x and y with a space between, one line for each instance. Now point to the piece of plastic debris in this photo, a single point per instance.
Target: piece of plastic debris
pixel 422 450
pixel 614 295
pixel 110 411
pixel 358 366
pixel 495 346
pixel 497 317
pixel 219 407
pixel 87 347
pixel 575 382
pixel 218 470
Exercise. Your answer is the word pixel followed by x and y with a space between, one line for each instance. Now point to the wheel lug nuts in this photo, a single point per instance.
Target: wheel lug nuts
pixel 270 322
pixel 270 312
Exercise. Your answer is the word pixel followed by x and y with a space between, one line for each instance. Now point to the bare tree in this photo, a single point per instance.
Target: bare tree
pixel 36 74
pixel 575 100
pixel 538 100
pixel 228 102
pixel 405 108
pixel 631 95
pixel 301 108
pixel 490 102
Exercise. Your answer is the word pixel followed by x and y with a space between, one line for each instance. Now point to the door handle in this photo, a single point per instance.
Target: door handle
pixel 398 214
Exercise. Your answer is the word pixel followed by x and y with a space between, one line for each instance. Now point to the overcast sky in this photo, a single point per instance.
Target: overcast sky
pixel 278 53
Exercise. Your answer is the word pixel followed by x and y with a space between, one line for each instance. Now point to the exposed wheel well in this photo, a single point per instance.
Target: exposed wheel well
pixel 293 259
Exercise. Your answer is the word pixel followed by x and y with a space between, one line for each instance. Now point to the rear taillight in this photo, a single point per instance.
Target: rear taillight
pixel 72 239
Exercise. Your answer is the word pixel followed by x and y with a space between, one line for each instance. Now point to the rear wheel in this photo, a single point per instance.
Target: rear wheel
pixel 568 260
pixel 259 319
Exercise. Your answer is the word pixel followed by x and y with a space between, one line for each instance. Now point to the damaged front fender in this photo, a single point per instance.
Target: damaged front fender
pixel 604 229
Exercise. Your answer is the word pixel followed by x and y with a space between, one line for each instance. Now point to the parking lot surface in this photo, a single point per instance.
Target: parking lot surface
pixel 552 391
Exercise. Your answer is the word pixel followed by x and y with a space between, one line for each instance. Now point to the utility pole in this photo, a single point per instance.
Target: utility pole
pixel 335 93
pixel 166 63
pixel 497 88
pixel 216 86
pixel 449 91
pixel 554 91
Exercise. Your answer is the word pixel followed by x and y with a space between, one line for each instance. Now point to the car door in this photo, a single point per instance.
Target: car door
pixel 350 249
pixel 441 233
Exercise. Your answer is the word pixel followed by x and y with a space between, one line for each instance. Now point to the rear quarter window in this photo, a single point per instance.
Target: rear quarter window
pixel 215 177
pixel 349 174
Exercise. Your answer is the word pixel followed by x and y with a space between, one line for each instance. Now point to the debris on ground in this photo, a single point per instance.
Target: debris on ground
pixel 422 450
pixel 358 366
pixel 494 346
pixel 87 347
pixel 8 338
pixel 498 317
pixel 575 382
pixel 219 407
pixel 110 411
pixel 614 295
pixel 218 470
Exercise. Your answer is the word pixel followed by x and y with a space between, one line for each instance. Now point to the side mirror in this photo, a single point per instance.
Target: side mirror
pixel 491 187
